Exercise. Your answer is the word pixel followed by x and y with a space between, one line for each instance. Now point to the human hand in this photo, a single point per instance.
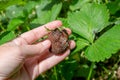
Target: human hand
pixel 20 59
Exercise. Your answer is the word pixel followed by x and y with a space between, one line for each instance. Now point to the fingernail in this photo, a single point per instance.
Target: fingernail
pixel 46 42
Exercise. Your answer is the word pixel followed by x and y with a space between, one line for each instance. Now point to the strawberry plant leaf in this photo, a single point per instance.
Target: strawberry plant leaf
pixel 105 46
pixel 80 44
pixel 5 3
pixel 14 12
pixel 47 11
pixel 30 6
pixel 83 71
pixel 68 69
pixel 13 24
pixel 6 36
pixel 114 6
pixel 92 18
pixel 77 4
pixel 64 22
pixel 117 21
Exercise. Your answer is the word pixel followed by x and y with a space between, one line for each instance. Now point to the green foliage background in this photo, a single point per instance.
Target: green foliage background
pixel 96 31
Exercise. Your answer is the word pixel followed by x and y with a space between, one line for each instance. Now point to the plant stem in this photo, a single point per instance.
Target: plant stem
pixel 90 72
pixel 55 73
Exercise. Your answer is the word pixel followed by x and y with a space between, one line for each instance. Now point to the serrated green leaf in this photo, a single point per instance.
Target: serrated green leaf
pixel 91 19
pixel 6 36
pixel 77 4
pixel 5 3
pixel 30 6
pixel 14 12
pixel 105 46
pixel 68 69
pixel 47 11
pixel 83 71
pixel 80 44
pixel 13 24
pixel 117 21
pixel 64 21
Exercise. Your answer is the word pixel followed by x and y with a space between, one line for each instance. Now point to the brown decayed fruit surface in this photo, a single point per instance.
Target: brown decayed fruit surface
pixel 59 41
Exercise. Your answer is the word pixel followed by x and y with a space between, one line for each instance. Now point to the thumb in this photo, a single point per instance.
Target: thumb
pixel 31 50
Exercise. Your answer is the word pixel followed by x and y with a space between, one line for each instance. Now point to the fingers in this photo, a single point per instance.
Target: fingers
pixel 46 60
pixel 33 35
pixel 68 31
pixel 32 50
pixel 52 60
pixel 72 44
